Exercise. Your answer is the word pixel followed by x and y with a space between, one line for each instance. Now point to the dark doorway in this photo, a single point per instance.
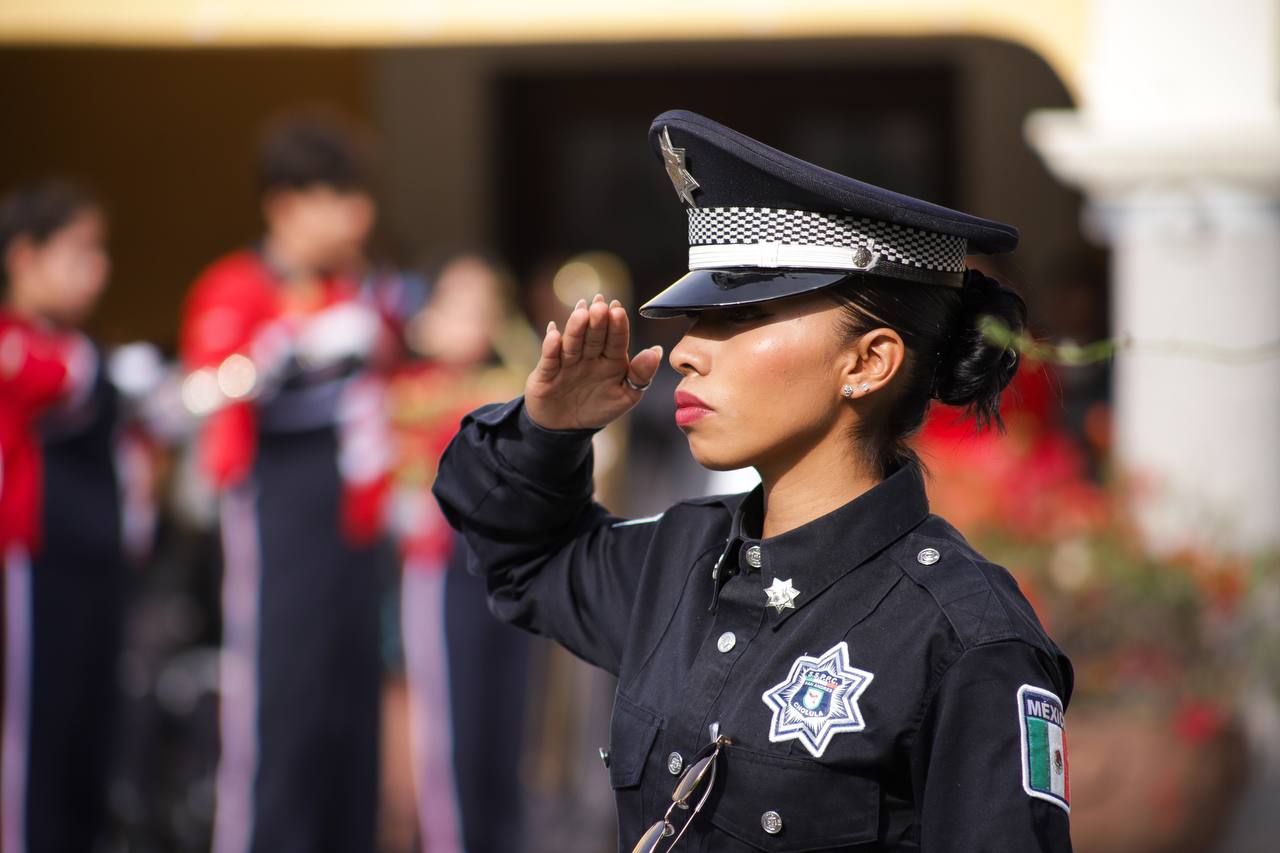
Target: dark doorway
pixel 575 172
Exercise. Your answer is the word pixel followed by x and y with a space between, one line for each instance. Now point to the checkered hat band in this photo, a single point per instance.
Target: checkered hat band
pixel 724 226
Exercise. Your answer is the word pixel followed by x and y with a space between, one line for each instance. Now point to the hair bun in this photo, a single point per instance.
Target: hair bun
pixel 972 371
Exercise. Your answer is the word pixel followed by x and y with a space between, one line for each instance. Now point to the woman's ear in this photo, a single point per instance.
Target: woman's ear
pixel 873 360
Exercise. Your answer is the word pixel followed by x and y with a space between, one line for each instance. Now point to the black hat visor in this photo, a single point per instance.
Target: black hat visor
pixel 700 290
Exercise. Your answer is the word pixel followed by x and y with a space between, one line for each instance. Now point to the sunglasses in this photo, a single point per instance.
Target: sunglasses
pixel 703 768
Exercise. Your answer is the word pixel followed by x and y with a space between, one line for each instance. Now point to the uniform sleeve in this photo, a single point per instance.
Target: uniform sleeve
pixel 221 316
pixel 557 563
pixel 988 775
pixel 31 376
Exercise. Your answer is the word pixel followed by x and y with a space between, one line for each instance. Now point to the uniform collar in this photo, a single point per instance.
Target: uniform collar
pixel 820 552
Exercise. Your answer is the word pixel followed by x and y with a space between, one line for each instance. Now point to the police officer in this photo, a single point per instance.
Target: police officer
pixel 819 664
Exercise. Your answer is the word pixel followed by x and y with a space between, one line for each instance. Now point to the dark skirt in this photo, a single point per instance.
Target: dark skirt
pixel 300 718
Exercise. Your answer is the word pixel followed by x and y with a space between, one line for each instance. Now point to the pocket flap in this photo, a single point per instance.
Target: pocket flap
pixel 631 736
pixel 813 807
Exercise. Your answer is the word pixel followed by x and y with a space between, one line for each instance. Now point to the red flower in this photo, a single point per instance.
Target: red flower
pixel 1196 721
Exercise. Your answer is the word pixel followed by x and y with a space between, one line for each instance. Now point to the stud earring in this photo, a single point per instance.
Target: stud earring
pixel 847 390
pixel 866 386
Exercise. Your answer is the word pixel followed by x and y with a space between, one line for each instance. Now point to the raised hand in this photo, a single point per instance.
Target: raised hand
pixel 579 381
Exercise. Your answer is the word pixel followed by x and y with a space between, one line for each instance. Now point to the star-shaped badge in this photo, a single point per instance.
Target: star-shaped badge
pixel 817 700
pixel 673 159
pixel 782 594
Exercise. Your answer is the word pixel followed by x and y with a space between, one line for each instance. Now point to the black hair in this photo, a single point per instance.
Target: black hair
pixel 314 148
pixel 39 210
pixel 948 357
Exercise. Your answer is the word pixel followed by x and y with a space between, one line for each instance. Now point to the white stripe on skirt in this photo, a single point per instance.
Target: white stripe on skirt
pixel 17 700
pixel 426 663
pixel 238 673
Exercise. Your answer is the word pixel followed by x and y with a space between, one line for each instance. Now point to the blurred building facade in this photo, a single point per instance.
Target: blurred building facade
pixel 521 128
pixel 1177 144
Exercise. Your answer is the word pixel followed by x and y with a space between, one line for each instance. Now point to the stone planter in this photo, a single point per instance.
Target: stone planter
pixel 1145 783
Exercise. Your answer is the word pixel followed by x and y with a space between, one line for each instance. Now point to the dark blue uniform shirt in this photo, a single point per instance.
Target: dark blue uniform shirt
pixel 908 699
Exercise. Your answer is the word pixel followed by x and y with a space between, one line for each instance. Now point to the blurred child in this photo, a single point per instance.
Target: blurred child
pixel 279 344
pixel 467 673
pixel 60 522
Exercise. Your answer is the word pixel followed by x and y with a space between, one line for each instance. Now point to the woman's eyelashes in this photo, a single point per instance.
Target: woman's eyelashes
pixel 729 320
pixel 743 314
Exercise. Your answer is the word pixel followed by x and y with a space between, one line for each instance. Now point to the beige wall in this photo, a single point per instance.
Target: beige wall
pixel 1055 29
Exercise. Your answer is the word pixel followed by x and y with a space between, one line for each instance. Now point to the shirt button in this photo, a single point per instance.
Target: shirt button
pixel 675 763
pixel 726 642
pixel 754 557
pixel 928 557
pixel 771 822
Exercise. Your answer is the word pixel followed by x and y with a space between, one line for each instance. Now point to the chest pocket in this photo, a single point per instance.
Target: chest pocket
pixel 632 733
pixel 810 807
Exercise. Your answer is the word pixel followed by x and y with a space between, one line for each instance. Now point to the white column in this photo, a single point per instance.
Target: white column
pixel 1177 147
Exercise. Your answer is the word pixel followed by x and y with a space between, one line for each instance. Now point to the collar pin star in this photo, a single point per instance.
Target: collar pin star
pixel 673 159
pixel 782 594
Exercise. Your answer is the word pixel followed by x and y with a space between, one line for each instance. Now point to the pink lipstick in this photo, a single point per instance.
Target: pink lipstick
pixel 689 408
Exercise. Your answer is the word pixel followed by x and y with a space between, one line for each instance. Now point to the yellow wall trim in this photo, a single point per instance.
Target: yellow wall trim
pixel 1055 29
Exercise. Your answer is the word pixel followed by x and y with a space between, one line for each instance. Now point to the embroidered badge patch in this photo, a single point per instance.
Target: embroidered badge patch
pixel 817 700
pixel 1045 770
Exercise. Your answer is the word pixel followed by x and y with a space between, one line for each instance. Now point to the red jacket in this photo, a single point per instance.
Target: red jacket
pixel 34 373
pixel 239 306
pixel 230 308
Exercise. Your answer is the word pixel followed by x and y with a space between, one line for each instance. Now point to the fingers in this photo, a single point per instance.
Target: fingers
pixel 645 365
pixel 597 328
pixel 575 331
pixel 548 365
pixel 618 332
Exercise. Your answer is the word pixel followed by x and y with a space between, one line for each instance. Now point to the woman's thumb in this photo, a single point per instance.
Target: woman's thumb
pixel 645 364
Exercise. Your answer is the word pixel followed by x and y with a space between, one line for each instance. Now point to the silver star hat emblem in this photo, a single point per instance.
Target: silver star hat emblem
pixel 782 594
pixel 673 159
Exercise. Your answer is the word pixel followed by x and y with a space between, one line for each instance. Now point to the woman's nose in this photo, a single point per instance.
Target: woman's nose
pixel 690 355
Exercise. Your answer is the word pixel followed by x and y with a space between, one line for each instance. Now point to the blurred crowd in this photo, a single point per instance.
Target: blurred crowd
pixel 234 618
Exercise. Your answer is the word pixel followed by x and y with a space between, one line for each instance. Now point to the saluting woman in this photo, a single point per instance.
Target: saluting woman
pixel 820 664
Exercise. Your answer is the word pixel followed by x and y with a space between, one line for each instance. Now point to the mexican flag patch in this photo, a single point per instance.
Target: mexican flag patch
pixel 1045 770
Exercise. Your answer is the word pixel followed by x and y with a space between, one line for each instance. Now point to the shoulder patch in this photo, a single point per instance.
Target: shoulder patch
pixel 1043 729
